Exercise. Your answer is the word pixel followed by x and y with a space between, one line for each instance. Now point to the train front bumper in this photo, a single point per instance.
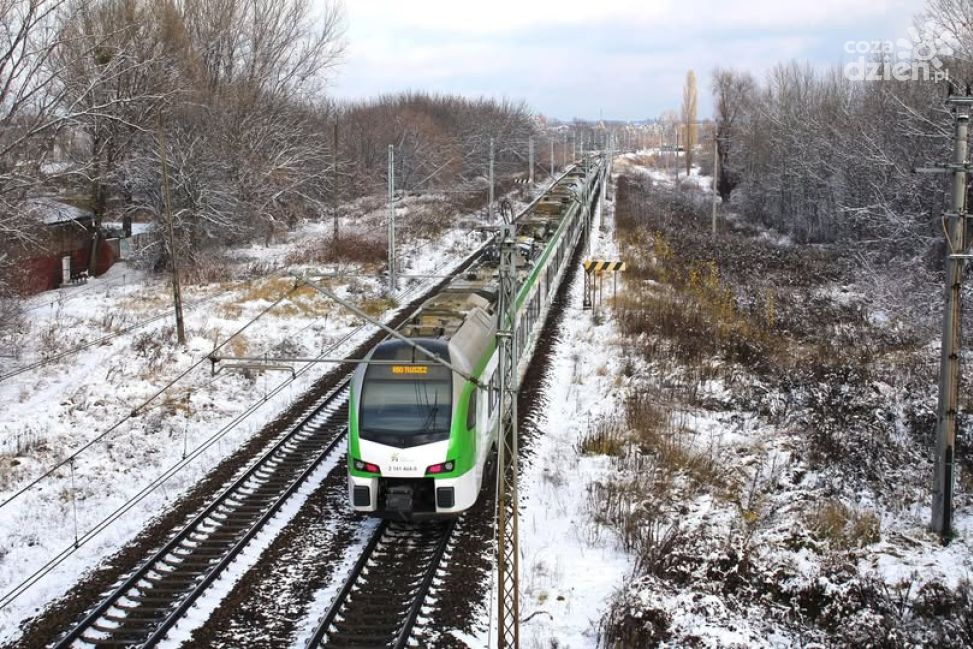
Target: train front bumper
pixel 413 498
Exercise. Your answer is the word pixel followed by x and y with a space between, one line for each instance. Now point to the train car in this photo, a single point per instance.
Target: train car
pixel 421 435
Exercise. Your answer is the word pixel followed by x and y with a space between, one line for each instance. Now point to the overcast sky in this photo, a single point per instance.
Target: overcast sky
pixel 623 59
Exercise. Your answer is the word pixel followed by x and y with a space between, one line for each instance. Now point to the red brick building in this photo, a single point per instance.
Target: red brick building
pixel 65 231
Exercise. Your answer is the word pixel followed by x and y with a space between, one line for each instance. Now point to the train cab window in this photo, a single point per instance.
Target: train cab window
pixel 406 404
pixel 471 410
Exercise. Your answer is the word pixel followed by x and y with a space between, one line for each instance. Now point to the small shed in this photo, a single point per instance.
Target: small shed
pixel 65 231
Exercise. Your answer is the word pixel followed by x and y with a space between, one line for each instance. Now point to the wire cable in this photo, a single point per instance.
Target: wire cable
pixel 135 410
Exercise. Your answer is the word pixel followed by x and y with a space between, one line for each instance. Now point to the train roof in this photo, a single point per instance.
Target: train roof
pixel 473 294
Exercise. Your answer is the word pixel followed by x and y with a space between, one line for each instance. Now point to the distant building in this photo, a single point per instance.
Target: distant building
pixel 64 231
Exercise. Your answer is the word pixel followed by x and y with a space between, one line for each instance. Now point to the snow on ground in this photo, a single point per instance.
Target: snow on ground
pixel 572 561
pixel 70 404
pixel 569 567
pixel 769 525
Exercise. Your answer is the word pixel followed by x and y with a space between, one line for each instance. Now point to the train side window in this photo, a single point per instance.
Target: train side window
pixel 471 410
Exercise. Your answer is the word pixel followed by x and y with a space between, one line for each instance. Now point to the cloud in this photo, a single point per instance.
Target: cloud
pixel 620 58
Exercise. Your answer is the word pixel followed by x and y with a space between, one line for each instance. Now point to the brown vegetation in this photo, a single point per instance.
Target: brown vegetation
pixel 778 326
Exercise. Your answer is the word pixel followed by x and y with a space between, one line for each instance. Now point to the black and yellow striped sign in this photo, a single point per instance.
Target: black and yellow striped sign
pixel 601 266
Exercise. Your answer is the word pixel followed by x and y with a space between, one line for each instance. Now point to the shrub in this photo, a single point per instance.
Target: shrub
pixel 605 437
pixel 351 247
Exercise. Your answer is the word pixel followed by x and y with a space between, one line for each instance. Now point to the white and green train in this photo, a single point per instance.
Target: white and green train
pixel 420 435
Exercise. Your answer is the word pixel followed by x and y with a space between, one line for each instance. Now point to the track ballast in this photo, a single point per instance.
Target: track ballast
pixel 382 597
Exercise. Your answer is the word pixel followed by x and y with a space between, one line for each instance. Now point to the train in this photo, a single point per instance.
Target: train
pixel 420 434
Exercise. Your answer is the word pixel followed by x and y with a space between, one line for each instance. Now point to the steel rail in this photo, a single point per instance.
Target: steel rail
pixel 217 519
pixel 407 554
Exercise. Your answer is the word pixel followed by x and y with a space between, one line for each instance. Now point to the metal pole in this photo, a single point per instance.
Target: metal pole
pixel 564 150
pixel 74 503
pixel 552 159
pixel 944 474
pixel 587 201
pixel 601 194
pixel 530 161
pixel 490 208
pixel 334 178
pixel 716 175
pixel 508 589
pixel 391 223
pixel 173 256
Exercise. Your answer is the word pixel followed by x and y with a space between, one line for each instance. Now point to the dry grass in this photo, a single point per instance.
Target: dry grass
pixel 238 345
pixel 844 527
pixel 230 310
pixel 605 437
pixel 146 302
pixel 303 300
pixel 350 248
pixel 656 473
pixel 267 290
pixel 695 313
pixel 376 306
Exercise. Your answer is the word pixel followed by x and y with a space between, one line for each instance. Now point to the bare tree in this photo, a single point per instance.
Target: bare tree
pixel 29 94
pixel 689 118
pixel 734 95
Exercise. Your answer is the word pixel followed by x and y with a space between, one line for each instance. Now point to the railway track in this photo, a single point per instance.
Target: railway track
pixel 143 607
pixel 381 599
pixel 151 600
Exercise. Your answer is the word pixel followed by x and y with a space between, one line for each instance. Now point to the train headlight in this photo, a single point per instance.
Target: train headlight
pixel 367 467
pixel 443 467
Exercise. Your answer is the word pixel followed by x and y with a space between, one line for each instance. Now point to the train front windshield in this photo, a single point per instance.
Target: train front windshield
pixel 405 405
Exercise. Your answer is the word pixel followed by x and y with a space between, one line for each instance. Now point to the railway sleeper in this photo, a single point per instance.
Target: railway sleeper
pixel 185 551
pixel 265 492
pixel 139 605
pixel 144 620
pixel 177 589
pixel 108 642
pixel 209 546
pixel 224 536
pixel 367 614
pixel 119 631
pixel 187 574
pixel 350 634
pixel 252 509
pixel 234 521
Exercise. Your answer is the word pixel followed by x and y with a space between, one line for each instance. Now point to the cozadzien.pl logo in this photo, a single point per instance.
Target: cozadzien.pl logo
pixel 917 58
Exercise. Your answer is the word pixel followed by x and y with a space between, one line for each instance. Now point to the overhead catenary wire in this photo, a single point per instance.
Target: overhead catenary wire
pixel 135 411
pixel 61 298
pixel 142 494
pixel 103 339
pixel 62 556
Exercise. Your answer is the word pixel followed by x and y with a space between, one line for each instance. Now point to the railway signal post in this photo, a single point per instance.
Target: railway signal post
pixel 508 588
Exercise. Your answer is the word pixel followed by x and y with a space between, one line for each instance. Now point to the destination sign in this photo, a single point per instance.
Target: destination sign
pixel 410 369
